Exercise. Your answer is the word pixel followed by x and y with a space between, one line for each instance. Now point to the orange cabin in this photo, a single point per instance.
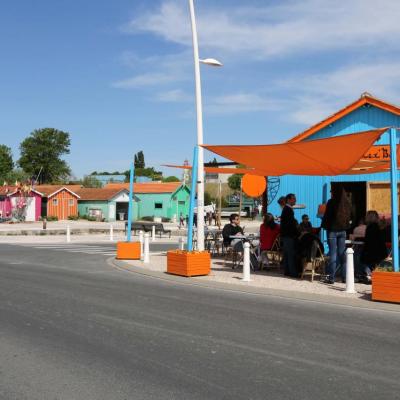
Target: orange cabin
pixel 61 202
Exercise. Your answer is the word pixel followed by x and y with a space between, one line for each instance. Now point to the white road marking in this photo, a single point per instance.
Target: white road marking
pixel 71 248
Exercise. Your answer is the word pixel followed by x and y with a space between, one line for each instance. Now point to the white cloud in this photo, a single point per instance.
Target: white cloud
pixel 317 96
pixel 162 70
pixel 241 102
pixel 173 96
pixel 150 79
pixel 292 27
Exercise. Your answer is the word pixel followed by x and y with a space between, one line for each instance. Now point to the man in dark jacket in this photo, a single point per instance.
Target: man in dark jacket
pixel 289 234
pixel 233 229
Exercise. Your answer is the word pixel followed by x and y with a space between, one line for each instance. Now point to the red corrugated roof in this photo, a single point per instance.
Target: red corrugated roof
pixel 7 190
pixel 98 193
pixel 365 98
pixel 148 187
pixel 48 190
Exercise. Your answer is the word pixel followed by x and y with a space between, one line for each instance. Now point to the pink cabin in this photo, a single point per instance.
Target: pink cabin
pixel 14 201
pixel 5 203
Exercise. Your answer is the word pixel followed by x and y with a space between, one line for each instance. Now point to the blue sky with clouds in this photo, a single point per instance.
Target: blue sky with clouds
pixel 118 75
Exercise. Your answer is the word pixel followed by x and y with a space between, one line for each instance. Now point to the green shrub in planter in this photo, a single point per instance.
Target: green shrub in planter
pixel 73 217
pixel 384 266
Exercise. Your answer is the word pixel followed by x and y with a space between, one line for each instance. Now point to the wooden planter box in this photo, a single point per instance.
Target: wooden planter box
pixel 128 251
pixel 184 263
pixel 386 286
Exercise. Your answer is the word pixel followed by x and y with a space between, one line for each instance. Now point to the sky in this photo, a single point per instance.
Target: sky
pixel 119 75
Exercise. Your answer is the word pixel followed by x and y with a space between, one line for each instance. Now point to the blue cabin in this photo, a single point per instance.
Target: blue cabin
pixel 368 191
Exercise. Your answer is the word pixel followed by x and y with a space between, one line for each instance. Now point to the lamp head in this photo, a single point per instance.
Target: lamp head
pixel 212 62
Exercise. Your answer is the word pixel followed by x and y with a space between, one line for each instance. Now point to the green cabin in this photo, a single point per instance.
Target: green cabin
pixel 156 199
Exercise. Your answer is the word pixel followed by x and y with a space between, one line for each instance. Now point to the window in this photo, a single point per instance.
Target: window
pixel 181 203
pixel 55 202
pixel 158 205
pixel 71 202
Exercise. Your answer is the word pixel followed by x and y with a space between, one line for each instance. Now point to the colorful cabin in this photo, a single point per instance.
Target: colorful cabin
pixel 160 200
pixel 20 203
pixel 106 204
pixel 59 201
pixel 367 191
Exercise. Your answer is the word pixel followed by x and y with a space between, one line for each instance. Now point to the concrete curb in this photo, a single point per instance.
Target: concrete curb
pixel 293 295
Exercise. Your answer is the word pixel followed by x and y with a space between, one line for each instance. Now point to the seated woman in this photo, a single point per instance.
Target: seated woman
pixel 269 230
pixel 374 250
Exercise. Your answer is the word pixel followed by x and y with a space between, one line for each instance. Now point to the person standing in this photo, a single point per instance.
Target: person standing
pixel 289 235
pixel 374 250
pixel 336 221
pixel 181 221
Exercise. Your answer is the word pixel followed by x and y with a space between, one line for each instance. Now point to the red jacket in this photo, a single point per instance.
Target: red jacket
pixel 268 236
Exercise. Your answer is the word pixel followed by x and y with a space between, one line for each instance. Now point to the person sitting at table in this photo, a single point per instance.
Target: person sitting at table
pixel 233 229
pixel 269 230
pixel 374 250
pixel 305 224
pixel 358 231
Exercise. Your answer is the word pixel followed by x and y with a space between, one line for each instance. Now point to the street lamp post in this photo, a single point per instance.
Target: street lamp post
pixel 199 114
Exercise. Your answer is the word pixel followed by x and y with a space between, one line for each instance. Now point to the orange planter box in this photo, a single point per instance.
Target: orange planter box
pixel 386 286
pixel 128 251
pixel 183 263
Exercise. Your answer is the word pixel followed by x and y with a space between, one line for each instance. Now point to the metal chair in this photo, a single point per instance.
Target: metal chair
pixel 315 265
pixel 272 257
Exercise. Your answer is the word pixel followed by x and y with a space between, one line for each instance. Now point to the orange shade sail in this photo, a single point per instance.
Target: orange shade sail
pixel 219 170
pixel 324 157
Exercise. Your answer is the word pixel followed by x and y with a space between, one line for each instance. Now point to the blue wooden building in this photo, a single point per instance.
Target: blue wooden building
pixel 369 191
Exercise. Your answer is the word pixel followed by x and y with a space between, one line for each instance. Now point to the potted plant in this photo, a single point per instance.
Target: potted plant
pixel 128 251
pixel 188 263
pixel 386 284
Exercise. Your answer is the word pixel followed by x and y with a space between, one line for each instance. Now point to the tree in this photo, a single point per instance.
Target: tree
pixel 16 175
pixel 234 181
pixel 149 172
pixel 171 179
pixel 42 151
pixel 91 182
pixel 207 199
pixel 6 161
pixel 139 160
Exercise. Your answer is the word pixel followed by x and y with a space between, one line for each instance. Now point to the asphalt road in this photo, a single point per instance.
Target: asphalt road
pixel 73 327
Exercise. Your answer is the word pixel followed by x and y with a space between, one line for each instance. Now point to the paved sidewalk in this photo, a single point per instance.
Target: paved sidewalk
pixel 91 227
pixel 260 279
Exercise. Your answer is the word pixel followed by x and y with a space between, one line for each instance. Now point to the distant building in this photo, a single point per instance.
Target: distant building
pixel 142 179
pixel 216 178
pixel 104 179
